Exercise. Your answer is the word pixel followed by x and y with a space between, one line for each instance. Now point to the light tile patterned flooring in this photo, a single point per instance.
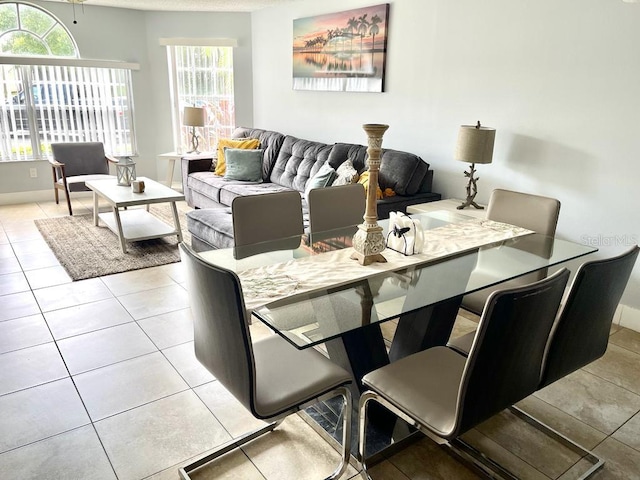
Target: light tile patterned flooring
pixel 98 381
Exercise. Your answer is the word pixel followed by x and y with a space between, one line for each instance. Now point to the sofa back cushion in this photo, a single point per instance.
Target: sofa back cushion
pixel 298 160
pixel 270 143
pixel 402 172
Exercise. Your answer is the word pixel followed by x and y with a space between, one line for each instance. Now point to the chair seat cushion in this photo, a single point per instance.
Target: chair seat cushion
pixel 77 183
pixel 287 377
pixel 462 344
pixel 425 385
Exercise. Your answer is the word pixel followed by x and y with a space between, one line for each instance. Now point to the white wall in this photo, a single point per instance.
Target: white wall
pixel 133 36
pixel 558 79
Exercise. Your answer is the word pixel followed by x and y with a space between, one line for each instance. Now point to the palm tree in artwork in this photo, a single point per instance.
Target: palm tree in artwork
pixel 352 26
pixel 363 27
pixel 374 29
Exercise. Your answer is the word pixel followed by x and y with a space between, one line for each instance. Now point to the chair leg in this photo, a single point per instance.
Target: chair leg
pixel 598 462
pixel 68 202
pixel 225 448
pixel 346 433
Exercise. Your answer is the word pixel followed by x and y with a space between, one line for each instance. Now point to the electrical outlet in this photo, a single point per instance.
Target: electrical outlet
pixel 33 172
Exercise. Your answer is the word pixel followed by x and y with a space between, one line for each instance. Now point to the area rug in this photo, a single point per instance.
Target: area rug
pixel 86 251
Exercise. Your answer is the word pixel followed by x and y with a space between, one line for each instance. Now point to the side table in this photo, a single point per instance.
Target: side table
pixel 450 204
pixel 171 157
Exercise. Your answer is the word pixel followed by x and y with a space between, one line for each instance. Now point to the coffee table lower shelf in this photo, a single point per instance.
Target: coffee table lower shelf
pixel 137 225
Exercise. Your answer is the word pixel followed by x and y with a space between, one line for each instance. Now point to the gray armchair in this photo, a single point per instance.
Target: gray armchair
pixel 75 163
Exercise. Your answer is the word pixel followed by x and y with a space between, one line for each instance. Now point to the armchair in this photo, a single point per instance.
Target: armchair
pixel 75 163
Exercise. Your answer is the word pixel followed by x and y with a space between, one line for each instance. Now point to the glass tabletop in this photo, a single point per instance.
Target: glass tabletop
pixel 310 318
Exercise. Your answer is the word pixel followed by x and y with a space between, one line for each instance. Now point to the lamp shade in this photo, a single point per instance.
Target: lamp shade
pixel 193 116
pixel 475 144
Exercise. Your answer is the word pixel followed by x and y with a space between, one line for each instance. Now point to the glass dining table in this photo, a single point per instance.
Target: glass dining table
pixel 308 290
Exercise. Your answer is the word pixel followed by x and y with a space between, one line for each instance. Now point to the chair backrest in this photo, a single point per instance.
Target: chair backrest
pixel 81 158
pixel 581 333
pixel 505 360
pixel 222 340
pixel 533 212
pixel 334 208
pixel 265 217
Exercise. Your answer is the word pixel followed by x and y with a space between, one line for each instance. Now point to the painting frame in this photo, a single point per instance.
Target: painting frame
pixel 342 51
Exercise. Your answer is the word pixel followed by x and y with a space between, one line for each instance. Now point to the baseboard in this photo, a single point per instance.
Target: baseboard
pixel 630 318
pixel 34 196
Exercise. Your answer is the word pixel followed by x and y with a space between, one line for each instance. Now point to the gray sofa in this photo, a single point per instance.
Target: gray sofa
pixel 288 164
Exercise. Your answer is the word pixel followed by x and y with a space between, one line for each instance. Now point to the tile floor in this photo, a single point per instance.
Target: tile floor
pixel 98 381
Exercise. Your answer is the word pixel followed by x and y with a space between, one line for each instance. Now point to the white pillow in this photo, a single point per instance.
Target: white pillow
pixel 323 178
pixel 346 174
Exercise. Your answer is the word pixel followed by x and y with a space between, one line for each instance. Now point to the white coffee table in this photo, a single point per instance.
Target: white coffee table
pixel 135 224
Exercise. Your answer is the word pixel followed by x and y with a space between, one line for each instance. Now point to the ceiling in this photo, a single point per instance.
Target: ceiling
pixel 186 5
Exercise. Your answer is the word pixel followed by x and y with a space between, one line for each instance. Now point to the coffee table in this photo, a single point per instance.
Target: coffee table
pixel 135 224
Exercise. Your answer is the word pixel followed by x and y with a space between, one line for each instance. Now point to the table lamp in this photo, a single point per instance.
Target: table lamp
pixel 475 145
pixel 193 117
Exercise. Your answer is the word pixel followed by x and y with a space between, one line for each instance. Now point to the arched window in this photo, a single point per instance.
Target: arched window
pixel 49 94
pixel 27 29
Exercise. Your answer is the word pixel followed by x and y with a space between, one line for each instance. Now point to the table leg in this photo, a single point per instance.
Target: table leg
pixel 176 220
pixel 170 168
pixel 95 208
pixel 123 243
pixel 424 328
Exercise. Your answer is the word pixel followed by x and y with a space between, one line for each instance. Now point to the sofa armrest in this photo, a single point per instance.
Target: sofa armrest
pixel 189 166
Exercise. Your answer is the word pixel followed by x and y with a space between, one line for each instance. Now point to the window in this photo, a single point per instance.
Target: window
pixel 49 95
pixel 202 76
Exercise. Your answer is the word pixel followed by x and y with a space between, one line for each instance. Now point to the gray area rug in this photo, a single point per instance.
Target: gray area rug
pixel 86 251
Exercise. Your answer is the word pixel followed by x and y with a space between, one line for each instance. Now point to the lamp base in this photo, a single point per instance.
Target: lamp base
pixel 469 203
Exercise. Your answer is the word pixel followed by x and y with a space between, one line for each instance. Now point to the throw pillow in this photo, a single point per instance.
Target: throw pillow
pixel 323 178
pixel 346 174
pixel 244 143
pixel 244 165
pixel 364 180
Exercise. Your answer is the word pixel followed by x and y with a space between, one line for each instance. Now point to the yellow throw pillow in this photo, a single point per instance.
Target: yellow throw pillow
pixel 244 143
pixel 364 180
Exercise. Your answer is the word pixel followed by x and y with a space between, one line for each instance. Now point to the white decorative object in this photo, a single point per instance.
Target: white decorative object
pixel 125 171
pixel 406 234
pixel 368 241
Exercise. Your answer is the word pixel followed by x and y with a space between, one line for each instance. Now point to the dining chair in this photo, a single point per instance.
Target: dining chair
pixel 269 377
pixel 73 164
pixel 333 209
pixel 581 332
pixel 271 217
pixel 533 212
pixel 444 394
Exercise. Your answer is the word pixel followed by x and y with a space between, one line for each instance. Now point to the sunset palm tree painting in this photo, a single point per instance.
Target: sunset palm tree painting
pixel 326 57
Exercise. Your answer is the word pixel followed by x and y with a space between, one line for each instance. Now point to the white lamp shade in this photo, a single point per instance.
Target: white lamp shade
pixel 193 116
pixel 475 144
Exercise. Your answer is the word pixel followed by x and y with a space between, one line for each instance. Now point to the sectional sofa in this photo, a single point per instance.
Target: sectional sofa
pixel 288 163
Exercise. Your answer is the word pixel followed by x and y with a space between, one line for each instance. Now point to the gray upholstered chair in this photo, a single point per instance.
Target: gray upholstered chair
pixel 271 217
pixel 444 393
pixel 335 208
pixel 75 163
pixel 533 212
pixel 269 377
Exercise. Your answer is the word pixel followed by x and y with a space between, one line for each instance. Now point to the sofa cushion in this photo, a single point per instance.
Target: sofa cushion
pixel 323 178
pixel 270 142
pixel 240 189
pixel 298 161
pixel 346 174
pixel 244 165
pixel 249 143
pixel 214 226
pixel 402 172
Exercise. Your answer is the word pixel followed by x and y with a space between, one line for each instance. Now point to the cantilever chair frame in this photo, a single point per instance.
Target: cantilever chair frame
pixel 277 416
pixel 553 286
pixel 60 177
